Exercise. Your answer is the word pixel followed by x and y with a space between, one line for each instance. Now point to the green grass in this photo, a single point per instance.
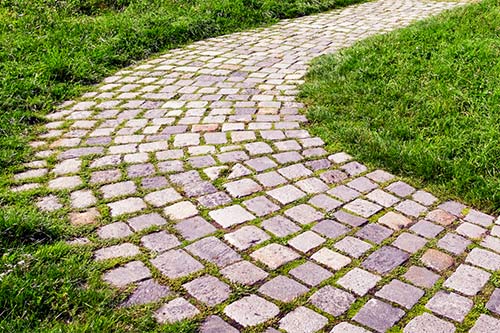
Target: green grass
pixel 51 51
pixel 422 102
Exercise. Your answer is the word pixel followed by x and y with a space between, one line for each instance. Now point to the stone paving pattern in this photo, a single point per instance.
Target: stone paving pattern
pixel 207 194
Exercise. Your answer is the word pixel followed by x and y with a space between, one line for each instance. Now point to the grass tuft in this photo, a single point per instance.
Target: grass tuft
pixel 422 102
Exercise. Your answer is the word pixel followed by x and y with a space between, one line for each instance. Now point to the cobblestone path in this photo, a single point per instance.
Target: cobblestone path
pixel 210 198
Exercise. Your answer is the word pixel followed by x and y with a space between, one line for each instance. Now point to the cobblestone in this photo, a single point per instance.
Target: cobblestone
pixel 208 290
pixel 428 323
pixel 332 300
pixel 378 315
pixel 208 140
pixel 303 320
pixel 450 305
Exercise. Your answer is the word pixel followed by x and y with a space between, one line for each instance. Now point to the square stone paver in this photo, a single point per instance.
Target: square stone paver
pixel 303 214
pixel 494 302
pixel 354 168
pixel 363 207
pixel 331 259
pixel 208 290
pixel 362 184
pixel 382 198
pixel 214 199
pixel 114 230
pixel 349 219
pixel 106 176
pixel 126 206
pixel 215 324
pixel 421 277
pixel 181 210
pixel 332 300
pixel 395 221
pixel 280 226
pixel 324 202
pixel 348 328
pixel 453 243
pixel 401 188
pixel 336 177
pixel 426 229
pixel 286 194
pixel 411 208
pixel 401 293
pixel 232 215
pixel 118 189
pixel 424 198
pixel 146 292
pixel 312 185
pixel 160 241
pixel 85 218
pixel 176 310
pixel 484 259
pixel 352 246
pixel 295 171
pixel 244 272
pixel 358 281
pixel 486 324
pixel 303 320
pixel 275 255
pixel 374 233
pixel 162 197
pixel 450 305
pixel 145 221
pixel 215 251
pixel 378 315
pixel 242 187
pixel 154 183
pixel 283 289
pixel 440 216
pixel 490 242
pixel 471 230
pixel 261 206
pixel 271 179
pixel 176 263
pixel 385 259
pixel 428 323
pixel 261 163
pixel 310 273
pixel 251 310
pixel 246 237
pixel 344 193
pixel 479 218
pixel 437 260
pixel 306 241
pixel 194 228
pixel 199 189
pixel 380 176
pixel 83 199
pixel 467 280
pixel 129 273
pixel 409 242
pixel 330 229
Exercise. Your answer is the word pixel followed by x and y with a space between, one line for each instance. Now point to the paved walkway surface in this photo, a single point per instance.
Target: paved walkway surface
pixel 209 197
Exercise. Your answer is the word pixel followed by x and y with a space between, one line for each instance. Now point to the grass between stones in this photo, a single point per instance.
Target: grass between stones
pixel 53 51
pixel 421 102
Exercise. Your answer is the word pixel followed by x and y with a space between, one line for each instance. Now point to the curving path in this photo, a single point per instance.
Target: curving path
pixel 210 197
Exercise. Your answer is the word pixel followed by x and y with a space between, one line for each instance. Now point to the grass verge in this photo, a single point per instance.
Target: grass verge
pixel 423 102
pixel 52 51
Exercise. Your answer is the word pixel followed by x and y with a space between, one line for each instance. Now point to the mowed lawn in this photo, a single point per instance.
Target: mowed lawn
pixel 51 51
pixel 422 102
